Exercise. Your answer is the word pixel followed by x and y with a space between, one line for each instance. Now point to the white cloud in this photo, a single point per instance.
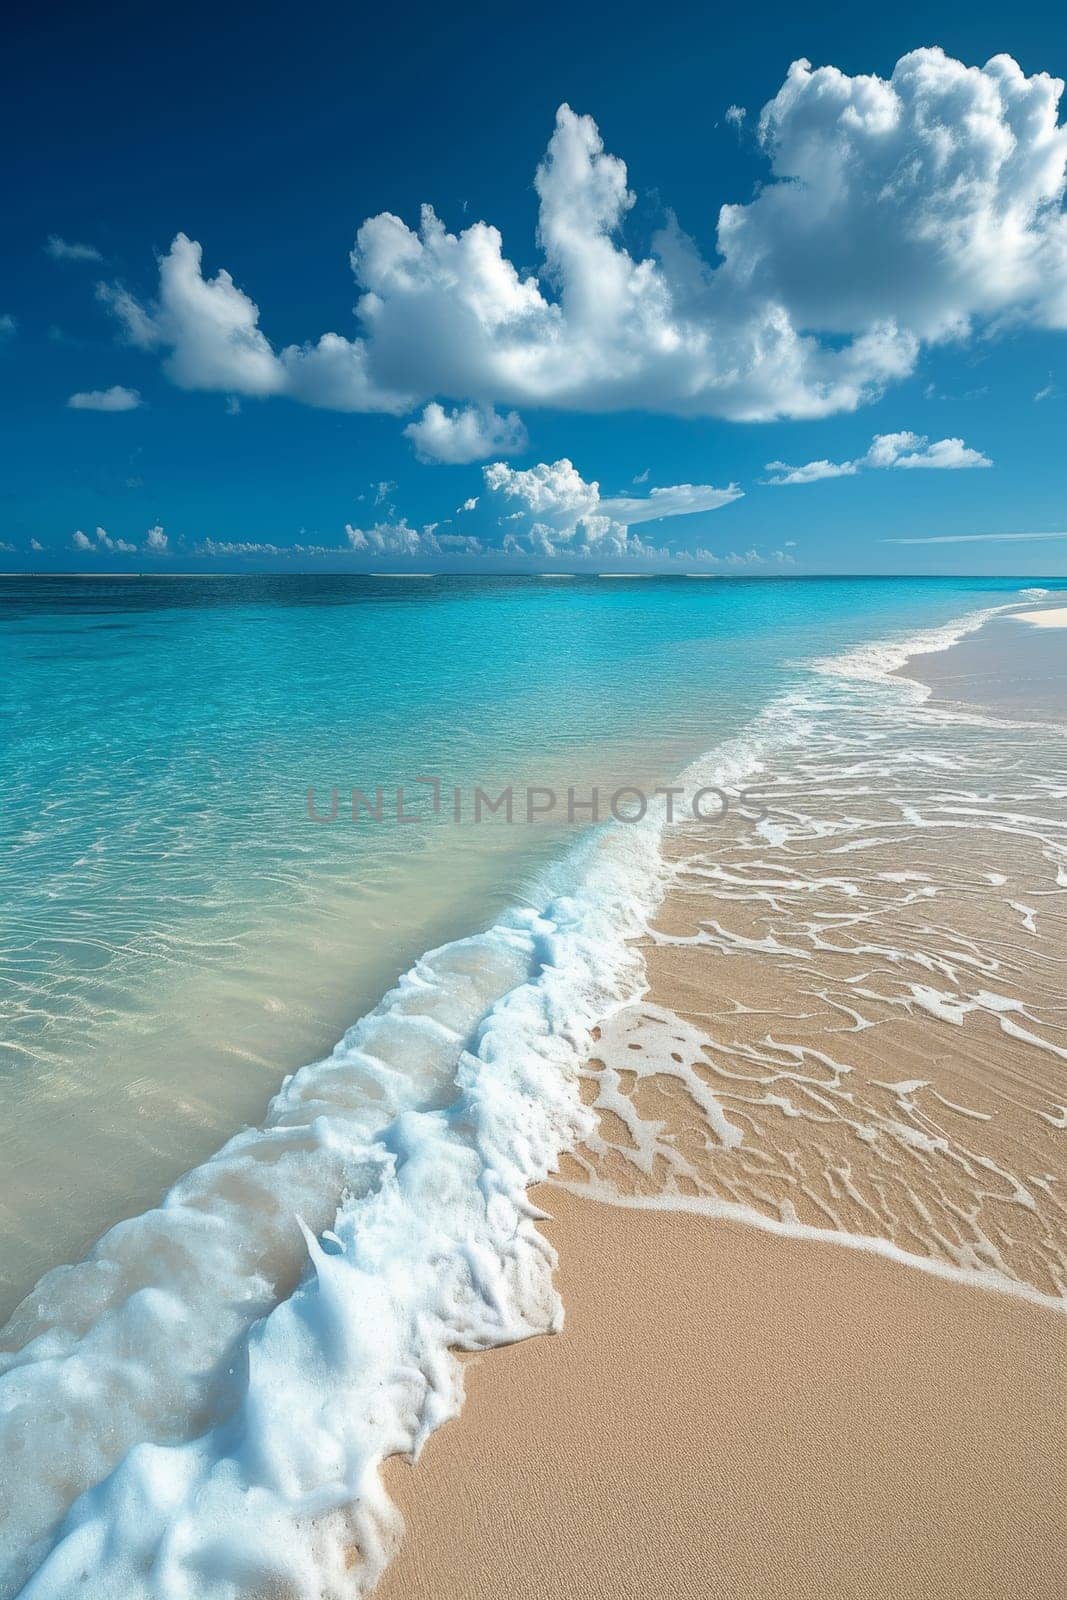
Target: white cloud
pixel 106 542
pixel 155 542
pixel 470 433
pixel 733 558
pixel 735 115
pixel 226 548
pixel 811 472
pixel 470 504
pixel 975 538
pixel 103 541
pixel 680 500
pixel 8 326
pixel 899 212
pixel 240 547
pixel 117 398
pixel 466 543
pixel 36 545
pixel 886 450
pixel 949 455
pixel 393 539
pixel 211 330
pixel 561 510
pixel 62 250
pixel 933 198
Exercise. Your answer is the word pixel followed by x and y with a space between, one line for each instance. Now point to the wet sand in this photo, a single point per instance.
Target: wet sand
pixel 1011 666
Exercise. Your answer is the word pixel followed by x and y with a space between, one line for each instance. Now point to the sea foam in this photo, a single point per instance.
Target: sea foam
pixel 200 1408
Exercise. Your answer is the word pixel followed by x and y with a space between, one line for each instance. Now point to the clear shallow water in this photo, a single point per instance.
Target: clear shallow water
pixel 407 1152
pixel 177 934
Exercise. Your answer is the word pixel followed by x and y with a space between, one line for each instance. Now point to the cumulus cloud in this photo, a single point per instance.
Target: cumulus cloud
pixel 36 545
pixel 399 538
pixel 950 455
pixel 934 198
pixel 63 250
pixel 886 450
pixel 117 398
pixel 155 542
pixel 560 510
pixel 210 331
pixel 899 212
pixel 469 433
pixel 103 541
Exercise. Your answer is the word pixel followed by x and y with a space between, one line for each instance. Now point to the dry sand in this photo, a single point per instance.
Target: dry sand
pixel 728 1413
pixel 1048 617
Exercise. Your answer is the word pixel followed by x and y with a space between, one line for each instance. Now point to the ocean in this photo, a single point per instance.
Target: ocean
pixel 197 906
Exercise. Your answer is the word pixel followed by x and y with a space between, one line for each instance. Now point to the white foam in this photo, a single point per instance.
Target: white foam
pixel 224 1433
pixel 881 659
pixel 787 1226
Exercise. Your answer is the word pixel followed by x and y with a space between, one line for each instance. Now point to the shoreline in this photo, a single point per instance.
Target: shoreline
pixel 745 1407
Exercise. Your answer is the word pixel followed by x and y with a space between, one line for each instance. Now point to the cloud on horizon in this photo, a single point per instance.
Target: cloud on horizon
pixel 155 543
pixel 559 511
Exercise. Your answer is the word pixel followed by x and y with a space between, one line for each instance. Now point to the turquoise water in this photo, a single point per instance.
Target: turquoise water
pixel 178 933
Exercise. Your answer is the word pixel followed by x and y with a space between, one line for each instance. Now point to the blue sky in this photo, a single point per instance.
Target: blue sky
pixel 883 314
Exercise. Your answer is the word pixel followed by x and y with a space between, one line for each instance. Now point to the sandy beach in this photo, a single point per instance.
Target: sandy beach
pixel 785 1080
pixel 742 1412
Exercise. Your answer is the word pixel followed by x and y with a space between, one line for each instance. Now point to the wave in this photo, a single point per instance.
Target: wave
pixel 216 1386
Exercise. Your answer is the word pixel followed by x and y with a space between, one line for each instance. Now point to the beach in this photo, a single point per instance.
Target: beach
pixel 736 1405
pixel 695 1226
